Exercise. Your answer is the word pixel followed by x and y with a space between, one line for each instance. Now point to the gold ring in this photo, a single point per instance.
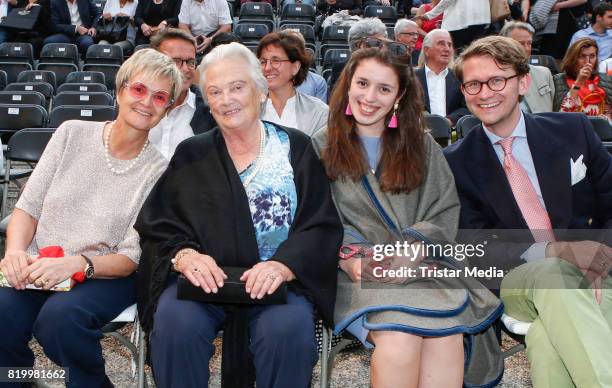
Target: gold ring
pixel 272 276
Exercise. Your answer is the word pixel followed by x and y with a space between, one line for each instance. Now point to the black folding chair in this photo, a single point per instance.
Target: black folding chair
pixel 253 10
pixel 109 71
pixel 104 54
pixel 26 145
pixel 14 117
pixel 81 87
pixel 12 70
pixel 60 114
pixel 602 127
pixel 17 52
pixel 251 32
pixel 60 53
pixel 82 98
pixel 61 70
pixel 546 61
pixel 43 88
pixel 335 56
pixel 3 79
pixel 439 128
pixel 38 76
pixel 306 30
pixel 298 14
pixel 96 77
pixel 387 14
pixel 465 124
pixel 22 98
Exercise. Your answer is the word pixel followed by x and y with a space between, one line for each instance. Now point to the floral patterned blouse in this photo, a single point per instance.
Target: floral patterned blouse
pixel 271 192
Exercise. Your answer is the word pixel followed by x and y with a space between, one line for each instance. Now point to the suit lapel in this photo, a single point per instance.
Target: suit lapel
pixel 423 78
pixel 488 174
pixel 449 83
pixel 552 163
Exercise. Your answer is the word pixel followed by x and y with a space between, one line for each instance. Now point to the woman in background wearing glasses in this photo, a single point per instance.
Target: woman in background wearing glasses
pixel 579 88
pixel 285 65
pixel 84 196
pixel 392 186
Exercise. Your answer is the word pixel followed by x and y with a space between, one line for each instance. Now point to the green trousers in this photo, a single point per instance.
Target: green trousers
pixel 569 343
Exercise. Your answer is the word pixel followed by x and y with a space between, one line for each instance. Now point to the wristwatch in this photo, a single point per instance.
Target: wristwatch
pixel 89 268
pixel 576 87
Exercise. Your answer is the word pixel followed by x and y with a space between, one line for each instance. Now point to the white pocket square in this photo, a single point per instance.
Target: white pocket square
pixel 578 170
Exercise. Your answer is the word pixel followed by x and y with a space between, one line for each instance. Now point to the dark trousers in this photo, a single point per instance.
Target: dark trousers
pixel 83 41
pixel 283 342
pixel 463 38
pixel 66 324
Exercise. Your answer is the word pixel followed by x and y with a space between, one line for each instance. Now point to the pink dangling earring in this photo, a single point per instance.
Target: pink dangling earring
pixel 348 111
pixel 393 121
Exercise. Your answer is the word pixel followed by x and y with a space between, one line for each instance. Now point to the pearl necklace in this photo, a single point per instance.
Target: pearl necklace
pixel 262 143
pixel 108 157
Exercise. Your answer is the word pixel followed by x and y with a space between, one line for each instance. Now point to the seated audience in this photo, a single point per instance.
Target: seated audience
pixel 314 85
pixel 153 16
pixel 407 32
pixel 189 115
pixel 539 98
pixel 204 19
pixel 466 20
pixel 41 28
pixel 84 196
pixel 426 25
pixel 285 65
pixel 512 172
pixel 580 88
pixel 122 9
pixel 600 30
pixel 248 194
pixel 442 91
pixel 383 166
pixel 330 7
pixel 73 21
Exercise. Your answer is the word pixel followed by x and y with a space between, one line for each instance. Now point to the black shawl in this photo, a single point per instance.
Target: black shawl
pixel 200 202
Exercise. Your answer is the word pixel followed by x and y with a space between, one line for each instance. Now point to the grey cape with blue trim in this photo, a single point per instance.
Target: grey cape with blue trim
pixel 422 306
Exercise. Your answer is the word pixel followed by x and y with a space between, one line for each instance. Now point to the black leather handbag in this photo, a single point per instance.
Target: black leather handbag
pixel 114 30
pixel 232 292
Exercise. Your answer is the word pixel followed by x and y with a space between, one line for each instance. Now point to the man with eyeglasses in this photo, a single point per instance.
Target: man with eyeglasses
pixel 542 176
pixel 442 90
pixel 189 115
pixel 407 32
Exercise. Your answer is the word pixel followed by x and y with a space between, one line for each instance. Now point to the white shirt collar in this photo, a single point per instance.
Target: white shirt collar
pixel 428 71
pixel 519 131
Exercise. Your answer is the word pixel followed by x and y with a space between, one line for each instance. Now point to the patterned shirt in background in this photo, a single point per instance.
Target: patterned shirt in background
pixel 271 193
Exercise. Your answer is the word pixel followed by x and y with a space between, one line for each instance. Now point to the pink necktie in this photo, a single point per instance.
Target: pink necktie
pixel 525 195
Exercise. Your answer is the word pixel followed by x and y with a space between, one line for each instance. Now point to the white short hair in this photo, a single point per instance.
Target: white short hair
pixel 401 24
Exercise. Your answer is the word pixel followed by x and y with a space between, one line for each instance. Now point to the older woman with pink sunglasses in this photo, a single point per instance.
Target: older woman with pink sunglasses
pixel 84 196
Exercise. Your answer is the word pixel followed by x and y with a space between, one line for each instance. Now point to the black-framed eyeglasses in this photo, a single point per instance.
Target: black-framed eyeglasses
pixel 495 84
pixel 191 63
pixel 394 48
pixel 274 62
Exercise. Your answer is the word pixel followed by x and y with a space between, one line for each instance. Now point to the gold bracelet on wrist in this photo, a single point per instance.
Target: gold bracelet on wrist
pixel 179 255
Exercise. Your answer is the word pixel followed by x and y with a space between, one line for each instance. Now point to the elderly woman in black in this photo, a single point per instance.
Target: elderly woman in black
pixel 153 16
pixel 247 194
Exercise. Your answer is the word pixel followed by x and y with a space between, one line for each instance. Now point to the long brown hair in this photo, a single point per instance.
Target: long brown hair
pixel 403 151
pixel 570 61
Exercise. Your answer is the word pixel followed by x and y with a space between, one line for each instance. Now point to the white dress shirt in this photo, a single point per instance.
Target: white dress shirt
pixel 288 118
pixel 436 88
pixel 521 152
pixel 75 16
pixel 113 7
pixel 3 8
pixel 174 128
pixel 205 17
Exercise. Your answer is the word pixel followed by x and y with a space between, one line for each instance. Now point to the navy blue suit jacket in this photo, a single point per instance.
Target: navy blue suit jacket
pixel 60 16
pixel 486 198
pixel 455 102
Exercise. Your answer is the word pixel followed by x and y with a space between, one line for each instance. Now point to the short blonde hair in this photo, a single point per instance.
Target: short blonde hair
pixel 153 65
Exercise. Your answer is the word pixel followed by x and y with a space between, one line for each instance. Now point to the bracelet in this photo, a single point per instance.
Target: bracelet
pixel 177 258
pixel 576 87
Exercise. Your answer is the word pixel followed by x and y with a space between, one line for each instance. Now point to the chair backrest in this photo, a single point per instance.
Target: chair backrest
pixel 22 98
pixel 251 31
pixel 546 61
pixel 142 46
pixel 82 98
pixel 109 71
pixel 38 76
pixel 306 30
pixel 96 77
pixel 335 34
pixel 384 13
pixel 335 56
pixel 28 144
pixel 602 127
pixel 3 79
pixel 298 12
pixel 60 53
pixel 440 128
pixel 252 10
pixel 107 54
pixel 43 88
pixel 88 113
pixel 61 70
pixel 465 124
pixel 16 52
pixel 81 87
pixel 15 117
pixel 268 23
pixel 12 69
